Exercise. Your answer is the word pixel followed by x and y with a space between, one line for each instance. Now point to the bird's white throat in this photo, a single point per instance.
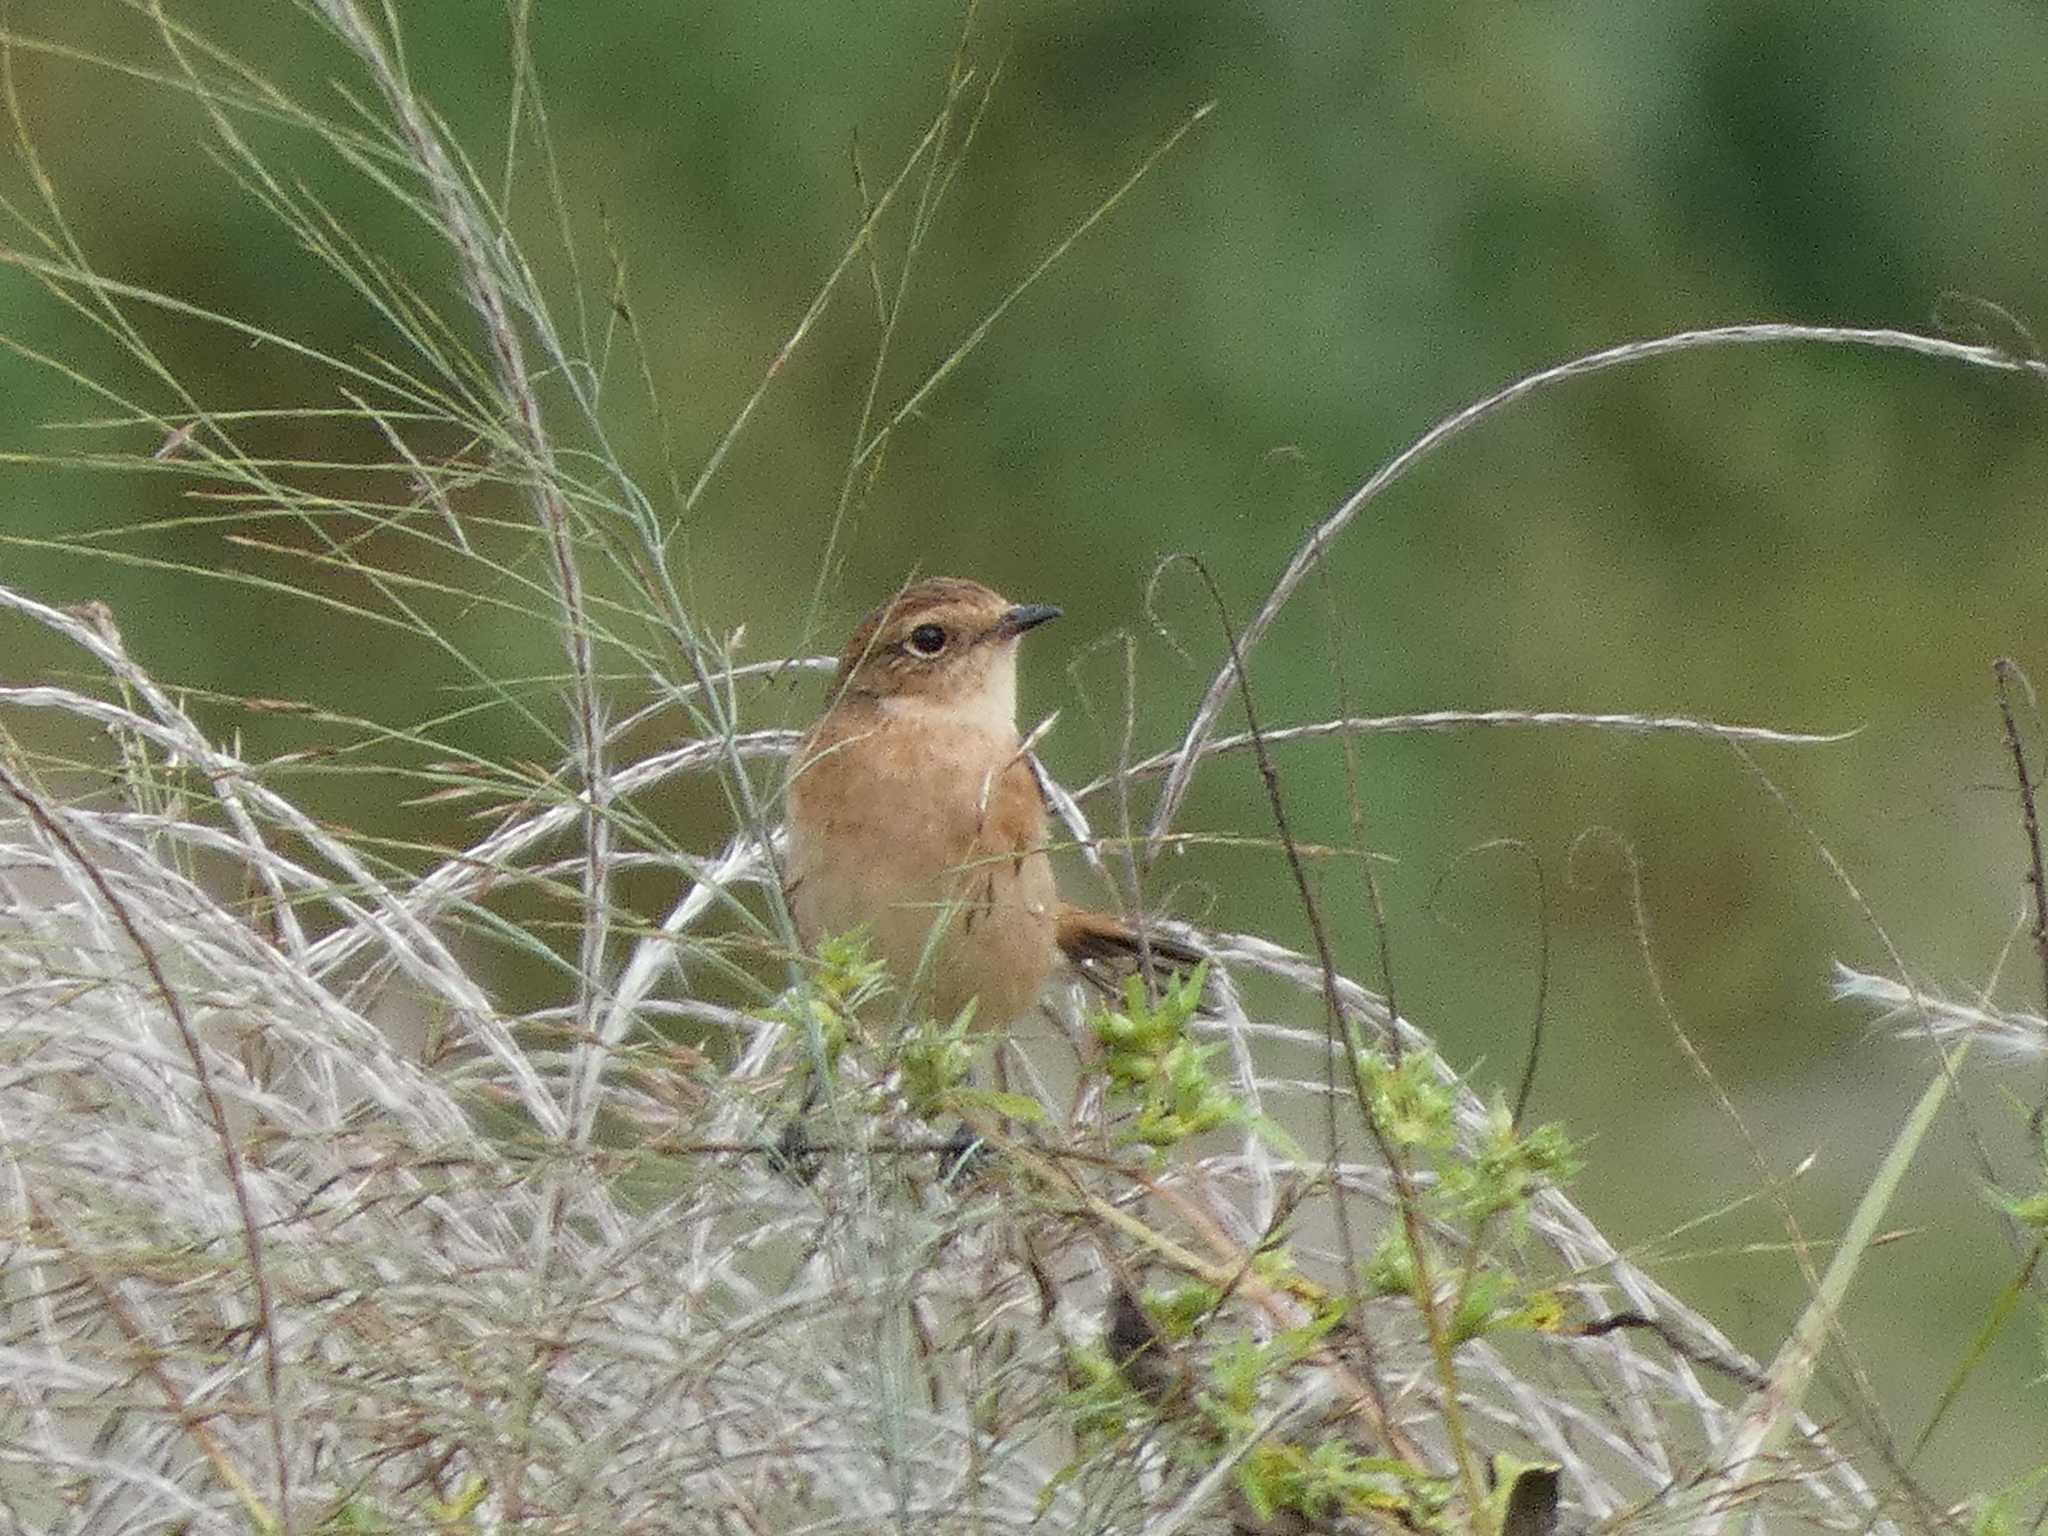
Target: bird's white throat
pixel 992 707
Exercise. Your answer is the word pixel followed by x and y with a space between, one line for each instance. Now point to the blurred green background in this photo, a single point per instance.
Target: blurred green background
pixel 1392 210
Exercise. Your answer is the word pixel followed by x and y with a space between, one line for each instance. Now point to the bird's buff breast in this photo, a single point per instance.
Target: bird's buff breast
pixel 931 836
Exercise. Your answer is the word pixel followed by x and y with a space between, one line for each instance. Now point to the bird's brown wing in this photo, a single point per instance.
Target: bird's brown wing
pixel 1106 949
pixel 1103 936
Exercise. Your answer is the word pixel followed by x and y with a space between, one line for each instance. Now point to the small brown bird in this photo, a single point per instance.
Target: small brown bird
pixel 914 811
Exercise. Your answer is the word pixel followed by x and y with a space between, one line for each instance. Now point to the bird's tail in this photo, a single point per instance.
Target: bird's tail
pixel 1106 948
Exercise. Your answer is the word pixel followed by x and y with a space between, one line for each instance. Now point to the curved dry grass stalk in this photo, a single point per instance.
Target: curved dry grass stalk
pixel 1310 552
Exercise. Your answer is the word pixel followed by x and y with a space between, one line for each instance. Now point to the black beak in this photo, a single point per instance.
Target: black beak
pixel 1026 616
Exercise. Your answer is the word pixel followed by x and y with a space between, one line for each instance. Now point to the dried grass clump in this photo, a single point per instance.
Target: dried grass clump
pixel 268 1263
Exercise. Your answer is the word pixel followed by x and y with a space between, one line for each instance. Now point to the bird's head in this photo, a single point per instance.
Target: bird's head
pixel 942 644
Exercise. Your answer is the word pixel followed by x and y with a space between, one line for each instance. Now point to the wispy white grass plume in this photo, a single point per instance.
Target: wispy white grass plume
pixel 1919 1014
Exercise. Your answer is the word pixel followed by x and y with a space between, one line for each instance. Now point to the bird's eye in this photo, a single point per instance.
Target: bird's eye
pixel 928 639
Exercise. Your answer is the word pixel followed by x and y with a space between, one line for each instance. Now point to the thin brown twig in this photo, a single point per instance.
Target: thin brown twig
pixel 1354 800
pixel 2005 669
pixel 1407 1199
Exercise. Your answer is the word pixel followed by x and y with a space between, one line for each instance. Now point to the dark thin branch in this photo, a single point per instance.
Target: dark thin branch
pixel 1736 1370
pixel 2006 670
